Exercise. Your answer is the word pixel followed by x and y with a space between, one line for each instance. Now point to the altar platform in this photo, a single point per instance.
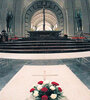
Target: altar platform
pixel 20 85
pixel 44 35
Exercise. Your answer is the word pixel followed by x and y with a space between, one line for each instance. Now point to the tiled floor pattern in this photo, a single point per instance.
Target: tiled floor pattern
pixel 80 66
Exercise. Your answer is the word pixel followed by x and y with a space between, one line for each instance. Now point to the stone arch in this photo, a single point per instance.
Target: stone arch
pixel 37 5
pixel 50 18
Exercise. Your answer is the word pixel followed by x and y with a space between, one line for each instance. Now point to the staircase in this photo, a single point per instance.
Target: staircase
pixel 44 46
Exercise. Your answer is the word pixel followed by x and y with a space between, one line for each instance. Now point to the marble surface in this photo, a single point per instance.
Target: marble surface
pixel 79 66
pixel 19 86
pixel 45 56
pixel 29 98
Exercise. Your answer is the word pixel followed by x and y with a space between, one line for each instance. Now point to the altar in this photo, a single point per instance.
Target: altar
pixel 19 86
pixel 41 35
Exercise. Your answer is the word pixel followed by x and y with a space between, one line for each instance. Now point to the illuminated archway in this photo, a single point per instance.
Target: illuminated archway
pixel 50 20
pixel 54 16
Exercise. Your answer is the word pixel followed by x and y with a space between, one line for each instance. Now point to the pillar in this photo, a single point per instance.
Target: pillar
pixel 18 17
pixel 3 11
pixel 70 17
pixel 88 10
pixel 85 18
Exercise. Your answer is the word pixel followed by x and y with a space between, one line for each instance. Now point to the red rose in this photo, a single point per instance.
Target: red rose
pixel 44 89
pixel 54 83
pixel 40 82
pixel 44 97
pixel 32 90
pixel 59 89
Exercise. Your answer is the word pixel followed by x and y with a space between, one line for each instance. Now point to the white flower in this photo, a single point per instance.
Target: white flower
pixel 53 96
pixel 36 93
pixel 39 87
pixel 46 82
pixel 52 88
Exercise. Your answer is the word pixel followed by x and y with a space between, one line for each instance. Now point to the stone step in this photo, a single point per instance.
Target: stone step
pixel 45 47
pixel 44 50
pixel 45 41
pixel 33 44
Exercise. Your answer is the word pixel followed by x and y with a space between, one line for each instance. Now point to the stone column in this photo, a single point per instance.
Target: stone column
pixel 3 12
pixel 70 17
pixel 18 17
pixel 88 10
pixel 0 15
pixel 85 18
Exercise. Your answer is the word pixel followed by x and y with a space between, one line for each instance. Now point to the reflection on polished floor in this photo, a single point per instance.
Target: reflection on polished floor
pixel 80 67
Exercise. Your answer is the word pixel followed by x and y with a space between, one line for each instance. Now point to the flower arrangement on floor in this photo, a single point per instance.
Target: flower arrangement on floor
pixel 47 91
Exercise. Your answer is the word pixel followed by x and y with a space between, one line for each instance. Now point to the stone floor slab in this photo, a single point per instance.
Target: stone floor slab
pixel 19 86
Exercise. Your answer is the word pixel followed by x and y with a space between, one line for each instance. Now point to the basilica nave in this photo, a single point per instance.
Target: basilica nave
pixel 44 40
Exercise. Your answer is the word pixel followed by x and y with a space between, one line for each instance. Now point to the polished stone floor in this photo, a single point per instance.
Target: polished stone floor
pixel 80 67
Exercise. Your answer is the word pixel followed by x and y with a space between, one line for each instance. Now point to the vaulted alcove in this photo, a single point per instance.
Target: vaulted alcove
pixel 33 16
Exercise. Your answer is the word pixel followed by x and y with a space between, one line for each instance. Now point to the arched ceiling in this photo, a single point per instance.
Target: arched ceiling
pixel 34 15
pixel 47 26
pixel 50 18
pixel 28 2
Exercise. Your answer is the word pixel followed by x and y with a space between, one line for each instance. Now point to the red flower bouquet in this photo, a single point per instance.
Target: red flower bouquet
pixel 54 83
pixel 40 82
pixel 32 90
pixel 44 89
pixel 44 97
pixel 59 89
pixel 47 91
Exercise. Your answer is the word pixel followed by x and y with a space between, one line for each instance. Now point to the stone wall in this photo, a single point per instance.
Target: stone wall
pixel 68 6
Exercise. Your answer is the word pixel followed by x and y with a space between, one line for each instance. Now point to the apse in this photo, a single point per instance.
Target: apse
pixel 33 17
pixel 51 22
